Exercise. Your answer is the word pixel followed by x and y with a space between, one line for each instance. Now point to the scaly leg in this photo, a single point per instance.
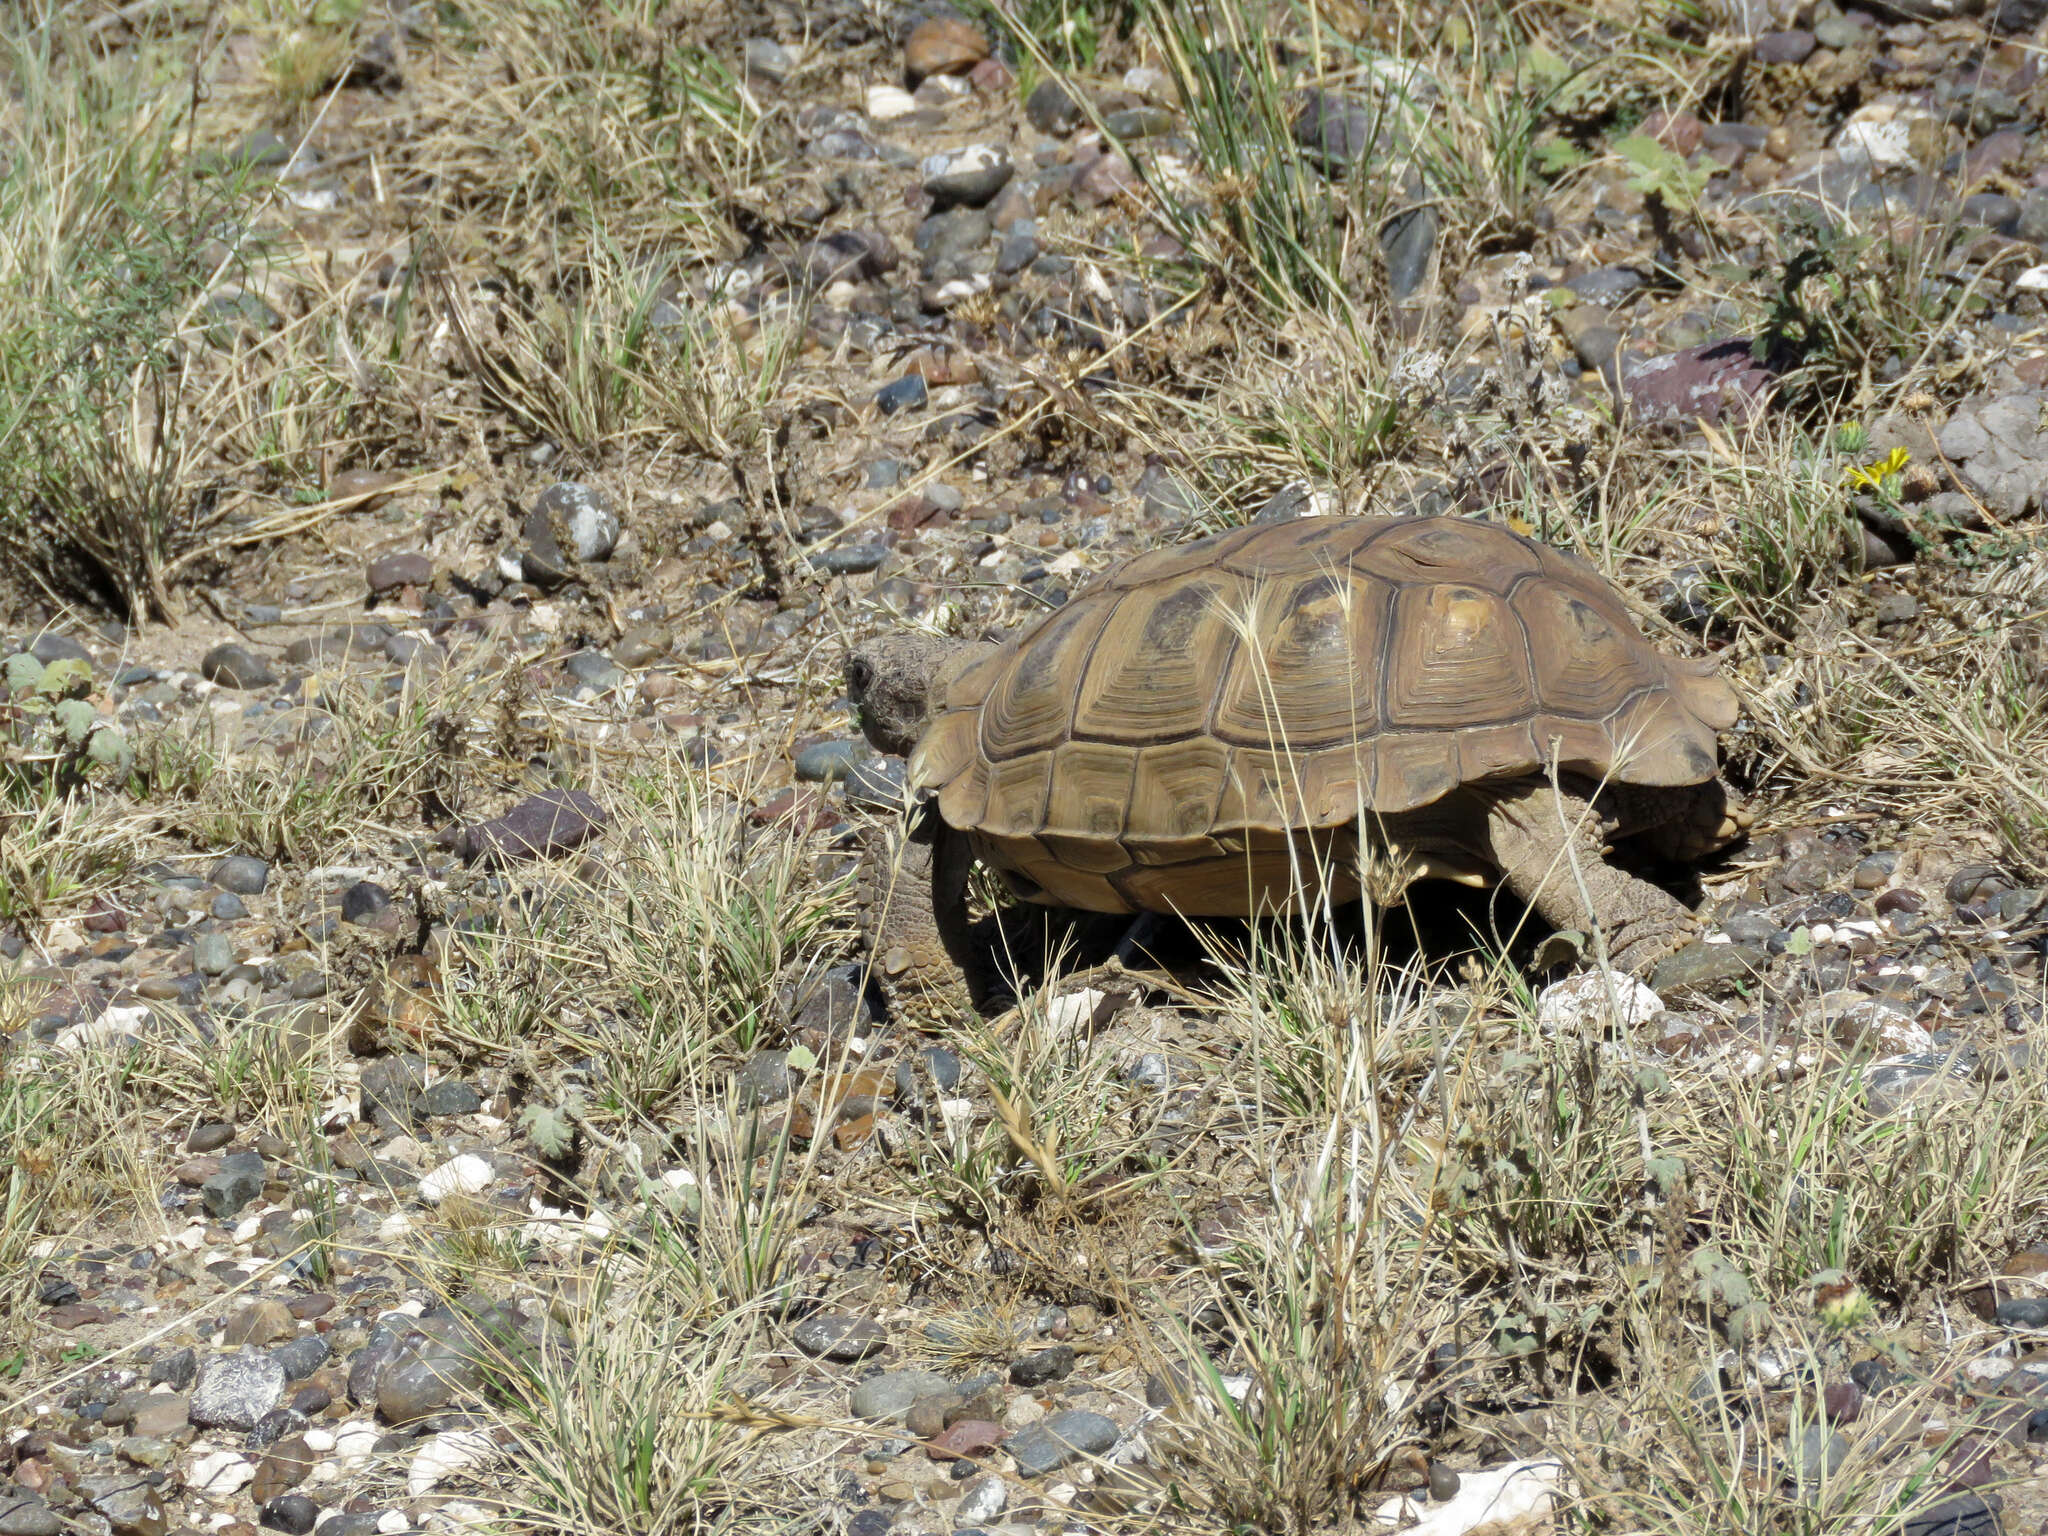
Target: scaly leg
pixel 1546 843
pixel 913 894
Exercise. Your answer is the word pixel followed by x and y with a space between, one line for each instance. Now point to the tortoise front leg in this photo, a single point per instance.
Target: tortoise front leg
pixel 1546 843
pixel 913 894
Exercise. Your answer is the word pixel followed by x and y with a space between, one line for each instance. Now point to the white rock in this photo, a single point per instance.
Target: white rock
pixel 982 1502
pixel 113 1024
pixel 321 1440
pixel 355 1444
pixel 459 1515
pixel 1072 1011
pixel 451 1451
pixel 464 1175
pixel 393 1521
pixel 220 1474
pixel 1518 1495
pixel 2033 280
pixel 1585 1003
pixel 1879 138
pixel 889 101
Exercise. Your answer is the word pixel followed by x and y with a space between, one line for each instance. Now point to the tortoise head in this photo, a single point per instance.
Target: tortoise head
pixel 894 680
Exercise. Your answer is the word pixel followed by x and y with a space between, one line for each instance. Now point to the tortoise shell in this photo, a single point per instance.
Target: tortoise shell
pixel 1222 698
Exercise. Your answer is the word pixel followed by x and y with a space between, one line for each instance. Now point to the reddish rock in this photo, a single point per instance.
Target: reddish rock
pixel 552 822
pixel 992 77
pixel 1679 132
pixel 1714 382
pixel 395 571
pixel 942 45
pixel 78 1314
pixel 969 1437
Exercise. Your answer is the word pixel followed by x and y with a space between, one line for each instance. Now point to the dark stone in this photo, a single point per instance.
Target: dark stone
pixel 301 1356
pixel 839 1336
pixel 235 666
pixel 174 1370
pixel 293 1513
pixel 49 647
pixel 1065 1437
pixel 1966 1514
pixel 1053 109
pixel 1700 964
pixel 1992 210
pixel 364 899
pixel 851 559
pixel 236 1391
pixel 541 826
pixel 242 874
pixel 239 1181
pixel 933 1062
pixel 1042 1365
pixel 1408 240
pixel 876 784
pixel 1607 286
pixel 1337 131
pixel 450 1096
pixel 2023 1312
pixel 908 393
pixel 391 572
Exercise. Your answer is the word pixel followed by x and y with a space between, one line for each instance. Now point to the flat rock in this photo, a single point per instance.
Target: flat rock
pixel 1071 1435
pixel 236 666
pixel 391 572
pixel 839 1336
pixel 1715 381
pixel 890 1394
pixel 235 1391
pixel 541 826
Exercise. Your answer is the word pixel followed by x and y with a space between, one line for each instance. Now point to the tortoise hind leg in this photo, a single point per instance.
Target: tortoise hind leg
pixel 913 895
pixel 1546 843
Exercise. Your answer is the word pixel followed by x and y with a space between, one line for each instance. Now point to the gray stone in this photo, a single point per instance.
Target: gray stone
pixel 889 1395
pixel 1071 1435
pixel 594 669
pixel 852 559
pixel 827 762
pixel 1963 1514
pixel 765 1079
pixel 1700 964
pixel 450 1096
pixel 571 524
pixel 410 1389
pixel 239 1181
pixel 876 784
pixel 2033 224
pixel 839 1336
pixel 1607 286
pixel 1817 1452
pixel 302 1356
pixel 1789 47
pixel 364 899
pixel 1042 1365
pixel 242 874
pixel 969 177
pixel 174 1370
pixel 1053 109
pixel 541 826
pixel 227 908
pixel 908 393
pixel 236 1391
pixel 235 666
pixel 48 647
pixel 1408 241
pixel 1337 131
pixel 25 1514
pixel 128 1503
pixel 213 954
pixel 766 59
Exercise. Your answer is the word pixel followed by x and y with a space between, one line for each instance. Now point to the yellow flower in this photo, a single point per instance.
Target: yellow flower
pixel 1874 475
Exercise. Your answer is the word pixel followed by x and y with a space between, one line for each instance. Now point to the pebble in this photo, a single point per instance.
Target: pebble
pixel 839 1336
pixel 235 1391
pixel 540 826
pixel 1053 109
pixel 942 45
pixel 890 1394
pixel 1060 1440
pixel 969 177
pixel 364 899
pixel 235 666
pixel 241 874
pixel 464 1175
pixel 827 762
pixel 390 572
pixel 292 1513
pixel 571 524
pixel 1592 1000
pixel 850 559
pixel 908 393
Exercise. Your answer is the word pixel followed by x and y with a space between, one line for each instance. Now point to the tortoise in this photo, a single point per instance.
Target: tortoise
pixel 1294 712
